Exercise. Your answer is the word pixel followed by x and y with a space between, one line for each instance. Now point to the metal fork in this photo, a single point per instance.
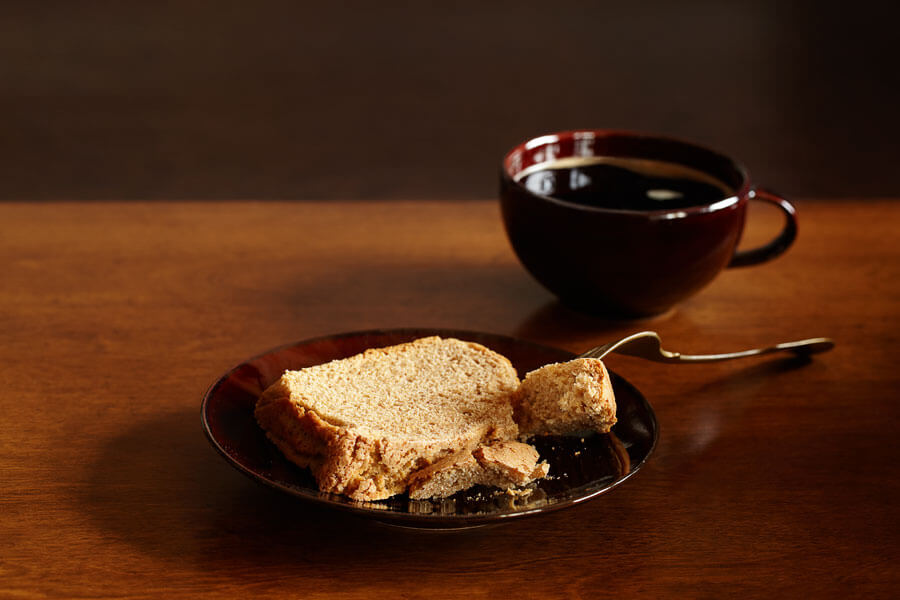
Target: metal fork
pixel 647 344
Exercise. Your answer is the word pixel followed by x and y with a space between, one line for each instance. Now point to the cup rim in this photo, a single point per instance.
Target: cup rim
pixel 740 195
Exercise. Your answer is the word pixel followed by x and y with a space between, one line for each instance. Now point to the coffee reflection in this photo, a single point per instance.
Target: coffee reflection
pixel 624 183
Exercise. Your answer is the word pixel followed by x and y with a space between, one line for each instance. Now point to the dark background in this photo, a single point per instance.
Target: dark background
pixel 197 100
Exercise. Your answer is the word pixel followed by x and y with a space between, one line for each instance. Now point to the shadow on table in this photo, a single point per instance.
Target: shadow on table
pixel 409 292
pixel 556 322
pixel 161 489
pixel 744 379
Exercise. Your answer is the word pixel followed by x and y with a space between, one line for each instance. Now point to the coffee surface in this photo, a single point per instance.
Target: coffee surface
pixel 625 184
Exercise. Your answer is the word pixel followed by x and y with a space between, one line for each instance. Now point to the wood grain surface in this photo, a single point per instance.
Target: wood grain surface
pixel 772 478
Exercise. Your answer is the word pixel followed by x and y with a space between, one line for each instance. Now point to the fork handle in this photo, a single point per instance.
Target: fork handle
pixel 646 345
pixel 800 348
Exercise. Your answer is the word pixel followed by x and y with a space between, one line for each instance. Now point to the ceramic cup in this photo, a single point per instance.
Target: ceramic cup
pixel 622 261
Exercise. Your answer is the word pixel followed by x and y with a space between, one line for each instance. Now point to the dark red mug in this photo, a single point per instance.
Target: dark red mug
pixel 627 262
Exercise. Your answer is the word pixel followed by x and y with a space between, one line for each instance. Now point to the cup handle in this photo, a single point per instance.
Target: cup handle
pixel 777 246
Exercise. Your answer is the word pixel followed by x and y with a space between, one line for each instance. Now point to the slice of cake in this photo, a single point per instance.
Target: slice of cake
pixel 365 424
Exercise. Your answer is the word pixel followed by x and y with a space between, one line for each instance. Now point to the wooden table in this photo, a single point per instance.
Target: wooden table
pixel 772 478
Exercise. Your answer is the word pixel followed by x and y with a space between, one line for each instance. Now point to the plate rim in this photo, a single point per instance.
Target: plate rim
pixel 419 520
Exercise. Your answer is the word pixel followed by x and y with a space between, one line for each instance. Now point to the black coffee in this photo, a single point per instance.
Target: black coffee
pixel 626 184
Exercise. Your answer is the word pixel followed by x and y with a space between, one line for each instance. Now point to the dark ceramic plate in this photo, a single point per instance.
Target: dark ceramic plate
pixel 580 468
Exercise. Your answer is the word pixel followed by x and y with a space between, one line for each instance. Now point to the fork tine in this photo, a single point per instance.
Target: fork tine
pixel 597 352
